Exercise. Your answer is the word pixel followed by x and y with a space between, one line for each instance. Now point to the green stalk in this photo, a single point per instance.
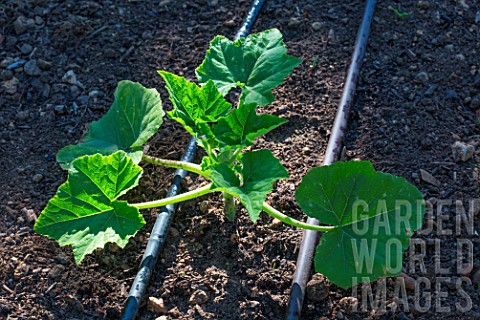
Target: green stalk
pixel 293 222
pixel 179 198
pixel 195 168
pixel 229 208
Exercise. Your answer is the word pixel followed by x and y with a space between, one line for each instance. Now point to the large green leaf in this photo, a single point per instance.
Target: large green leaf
pixel 243 125
pixel 86 212
pixel 194 106
pixel 134 117
pixel 259 169
pixel 257 63
pixel 374 215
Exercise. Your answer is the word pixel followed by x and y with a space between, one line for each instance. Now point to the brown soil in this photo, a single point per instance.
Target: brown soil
pixel 402 121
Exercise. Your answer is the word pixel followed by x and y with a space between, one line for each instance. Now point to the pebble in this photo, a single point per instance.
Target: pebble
pixel 409 281
pixel 422 77
pixel 70 77
pixel 30 215
pixel 94 94
pixel 462 152
pixel 46 91
pixel 6 75
pixel 23 24
pixel 26 48
pixel 56 271
pixel 6 62
pixel 427 177
pixel 37 177
pixel 11 86
pixel 477 17
pixel 213 3
pixel 39 20
pixel 31 68
pixel 317 26
pixel 475 102
pixel 349 304
pixel 83 100
pixel 331 35
pixel 293 23
pixel 44 65
pixel 449 47
pixel 318 288
pixel 229 23
pixel 340 315
pixel 275 224
pixel 156 305
pixel 60 109
pixel 423 5
pixel 198 297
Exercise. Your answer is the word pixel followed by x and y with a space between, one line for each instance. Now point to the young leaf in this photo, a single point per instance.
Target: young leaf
pixel 374 215
pixel 243 125
pixel 86 212
pixel 194 106
pixel 259 170
pixel 134 117
pixel 257 63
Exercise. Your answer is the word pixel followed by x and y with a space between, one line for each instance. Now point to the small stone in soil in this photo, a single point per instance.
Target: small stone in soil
pixel 26 48
pixel 156 305
pixel 317 26
pixel 229 23
pixel 6 75
pixel 31 68
pixel 348 304
pixel 60 109
pixel 409 281
pixel 198 297
pixel 422 77
pixel 22 24
pixel 29 215
pixel 275 224
pixel 318 288
pixel 462 152
pixel 293 23
pixel 427 177
pixel 331 35
pixel 44 65
pixel 423 5
pixel 37 178
pixel 70 77
pixel 6 62
pixel 56 271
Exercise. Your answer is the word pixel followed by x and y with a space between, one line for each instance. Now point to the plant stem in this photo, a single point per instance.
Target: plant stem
pixel 229 207
pixel 179 198
pixel 195 168
pixel 293 222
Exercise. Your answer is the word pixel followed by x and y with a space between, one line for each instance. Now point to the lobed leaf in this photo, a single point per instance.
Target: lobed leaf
pixel 134 117
pixel 259 169
pixel 257 64
pixel 86 212
pixel 374 215
pixel 243 125
pixel 194 106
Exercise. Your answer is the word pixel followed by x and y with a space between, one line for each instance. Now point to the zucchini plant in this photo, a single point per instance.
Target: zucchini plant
pixel 362 212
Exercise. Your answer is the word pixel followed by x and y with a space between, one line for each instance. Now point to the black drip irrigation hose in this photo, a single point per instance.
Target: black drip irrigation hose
pixel 164 219
pixel 310 237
